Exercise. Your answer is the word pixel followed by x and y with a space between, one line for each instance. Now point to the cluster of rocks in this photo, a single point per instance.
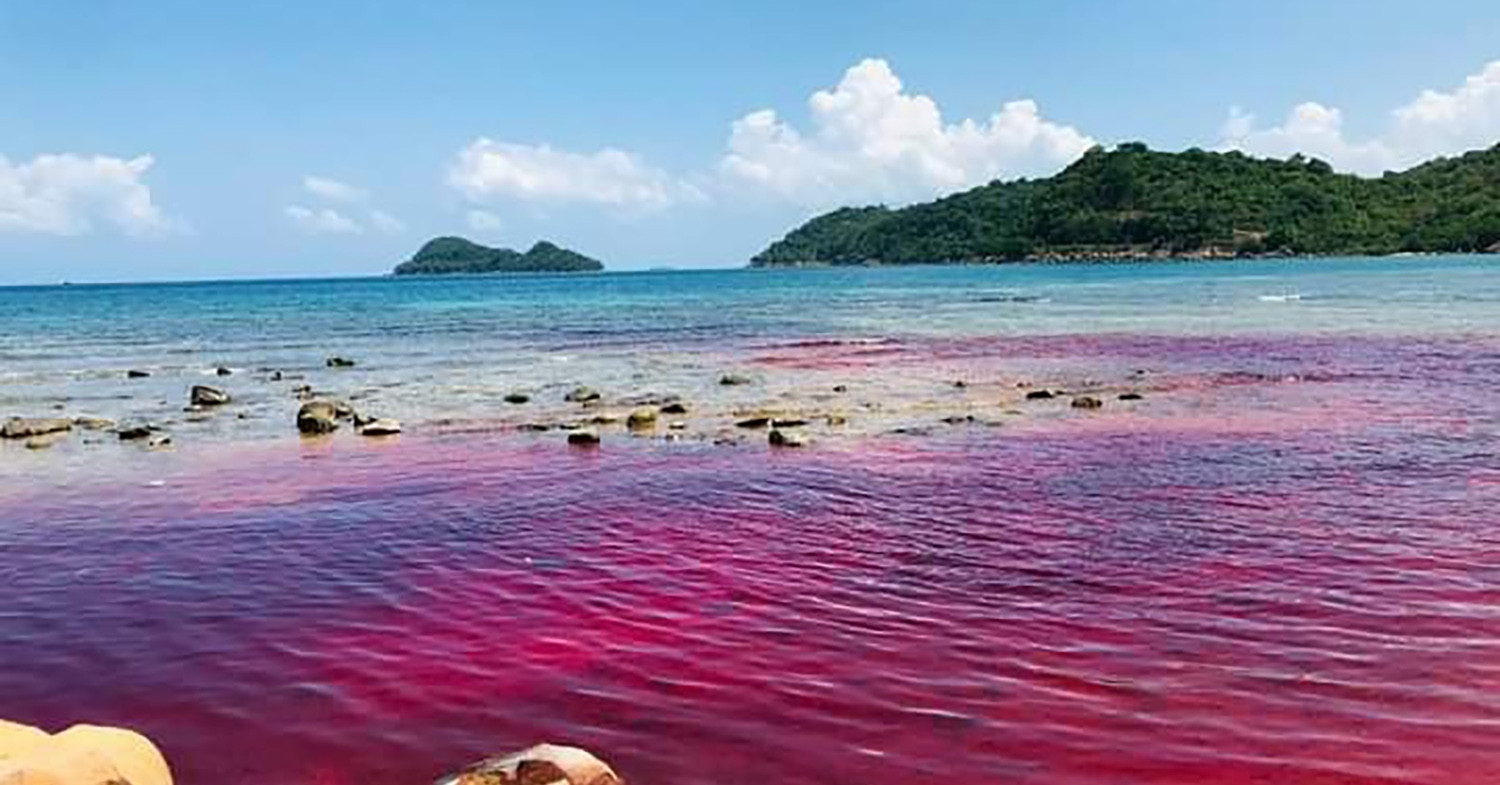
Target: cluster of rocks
pixel 544 764
pixel 80 755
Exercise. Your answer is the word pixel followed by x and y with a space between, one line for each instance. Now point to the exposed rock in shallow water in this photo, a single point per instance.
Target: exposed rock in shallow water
pixel 641 420
pixel 1040 395
pixel 784 439
pixel 1130 396
pixel 203 395
pixel 382 427
pixel 27 427
pixel 788 423
pixel 317 417
pixel 1087 402
pixel 134 374
pixel 339 362
pixel 222 371
pixel 584 437
pixel 733 380
pixel 80 755
pixel 544 764
pixel 582 395
pixel 135 432
pixel 93 423
pixel 753 422
pixel 517 398
pixel 674 408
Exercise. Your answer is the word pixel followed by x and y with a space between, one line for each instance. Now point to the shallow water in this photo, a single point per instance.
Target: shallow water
pixel 1280 566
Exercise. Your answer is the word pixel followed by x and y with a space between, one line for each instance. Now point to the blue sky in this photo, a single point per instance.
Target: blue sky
pixel 171 140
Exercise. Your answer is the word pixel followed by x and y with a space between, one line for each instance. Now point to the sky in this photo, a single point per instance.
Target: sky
pixel 175 140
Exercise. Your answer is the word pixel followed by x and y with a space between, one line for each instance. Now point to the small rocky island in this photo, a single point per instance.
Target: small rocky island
pixel 459 256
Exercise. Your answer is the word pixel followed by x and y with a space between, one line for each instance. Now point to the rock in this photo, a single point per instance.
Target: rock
pixel 675 408
pixel 733 380
pixel 958 419
pixel 80 755
pixel 382 427
pixel 793 423
pixel 836 420
pixel 1130 396
pixel 604 419
pixel 544 764
pixel 27 427
pixel 203 395
pixel 275 376
pixel 754 422
pixel 534 427
pixel 134 374
pixel 135 432
pixel 783 439
pixel 159 442
pixel 841 388
pixel 960 384
pixel 222 371
pixel 641 420
pixel 1087 402
pixel 317 417
pixel 339 362
pixel 41 442
pixel 584 437
pixel 93 423
pixel 1040 395
pixel 517 398
pixel 303 391
pixel 361 420
pixel 582 395
pixel 677 425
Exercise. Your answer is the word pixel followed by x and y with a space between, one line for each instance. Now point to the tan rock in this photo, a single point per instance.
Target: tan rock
pixel 544 764
pixel 381 427
pixel 136 758
pixel 16 739
pixel 80 755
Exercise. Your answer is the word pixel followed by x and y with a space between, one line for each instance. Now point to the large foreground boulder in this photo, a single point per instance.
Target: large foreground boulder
pixel 80 755
pixel 544 764
pixel 27 427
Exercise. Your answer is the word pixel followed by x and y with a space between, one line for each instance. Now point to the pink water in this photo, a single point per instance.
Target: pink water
pixel 1285 574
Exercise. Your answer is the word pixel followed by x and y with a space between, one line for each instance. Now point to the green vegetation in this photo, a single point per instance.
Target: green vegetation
pixel 1132 202
pixel 455 255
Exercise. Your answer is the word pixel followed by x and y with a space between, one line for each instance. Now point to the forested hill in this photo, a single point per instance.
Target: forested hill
pixel 1134 202
pixel 456 255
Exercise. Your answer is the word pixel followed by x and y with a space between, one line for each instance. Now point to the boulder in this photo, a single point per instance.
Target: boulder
pixel 135 374
pixel 733 380
pixel 583 437
pixel 203 395
pixel 841 388
pixel 1130 396
pixel 1040 395
pixel 544 764
pixel 641 420
pixel 339 362
pixel 517 398
pixel 676 407
pixel 1087 402
pixel 133 432
pixel 80 755
pixel 317 417
pixel 784 439
pixel 27 427
pixel 582 395
pixel 382 427
pixel 222 371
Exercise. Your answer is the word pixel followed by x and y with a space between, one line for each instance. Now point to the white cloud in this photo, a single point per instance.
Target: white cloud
pixel 484 221
pixel 66 194
pixel 322 221
pixel 385 223
pixel 1435 123
pixel 333 190
pixel 871 140
pixel 487 170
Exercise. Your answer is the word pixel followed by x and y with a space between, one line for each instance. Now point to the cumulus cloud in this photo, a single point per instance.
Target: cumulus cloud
pixel 1435 123
pixel 872 140
pixel 67 194
pixel 322 220
pixel 333 190
pixel 488 170
pixel 385 223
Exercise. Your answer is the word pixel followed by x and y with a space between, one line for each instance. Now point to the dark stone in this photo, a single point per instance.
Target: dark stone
pixel 135 432
pixel 641 420
pixel 780 439
pixel 222 371
pixel 733 380
pixel 339 362
pixel 959 420
pixel 960 384
pixel 583 438
pixel 1087 402
pixel 317 417
pixel 674 408
pixel 1130 396
pixel 582 395
pixel 754 422
pixel 841 388
pixel 788 423
pixel 27 427
pixel 1039 395
pixel 517 398
pixel 134 374
pixel 203 395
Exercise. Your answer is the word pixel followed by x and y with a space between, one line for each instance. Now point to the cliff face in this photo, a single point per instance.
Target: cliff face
pixel 1136 202
pixel 457 255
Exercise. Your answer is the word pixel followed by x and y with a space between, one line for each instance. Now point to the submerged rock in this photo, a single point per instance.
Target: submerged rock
pixel 203 395
pixel 159 442
pixel 582 395
pixel 784 439
pixel 1087 402
pixel 27 427
pixel 382 427
pixel 80 755
pixel 544 764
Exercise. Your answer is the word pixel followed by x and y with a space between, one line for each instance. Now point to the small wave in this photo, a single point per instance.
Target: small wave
pixel 1279 298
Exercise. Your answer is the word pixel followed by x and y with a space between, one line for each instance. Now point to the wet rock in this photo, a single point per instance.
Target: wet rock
pixel 93 423
pixel 534 427
pixel 641 420
pixel 43 442
pixel 958 419
pixel 836 420
pixel 222 371
pixel 339 362
pixel 788 423
pixel 135 374
pixel 753 422
pixel 582 395
pixel 1130 396
pixel 381 427
pixel 960 384
pixel 361 420
pixel 160 441
pixel 784 439
pixel 733 380
pixel 841 388
pixel 203 395
pixel 675 407
pixel 317 417
pixel 303 391
pixel 1040 395
pixel 544 764
pixel 517 398
pixel 584 437
pixel 275 376
pixel 27 427
pixel 604 419
pixel 135 432
pixel 1087 402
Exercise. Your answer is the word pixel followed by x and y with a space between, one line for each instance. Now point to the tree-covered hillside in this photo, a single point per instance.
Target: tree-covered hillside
pixel 1135 202
pixel 450 255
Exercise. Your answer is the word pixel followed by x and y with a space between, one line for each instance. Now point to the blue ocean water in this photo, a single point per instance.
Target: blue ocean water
pixel 440 347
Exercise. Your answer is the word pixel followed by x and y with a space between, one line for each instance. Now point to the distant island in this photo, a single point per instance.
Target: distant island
pixel 1133 202
pixel 456 255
